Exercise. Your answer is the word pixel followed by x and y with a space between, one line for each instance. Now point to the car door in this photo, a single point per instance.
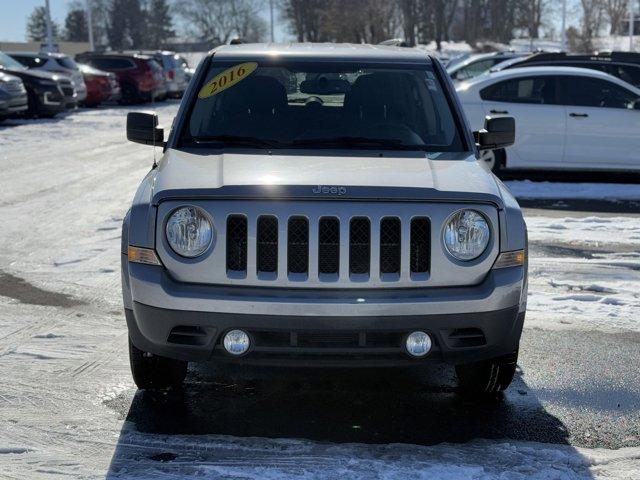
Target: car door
pixel 603 124
pixel 540 122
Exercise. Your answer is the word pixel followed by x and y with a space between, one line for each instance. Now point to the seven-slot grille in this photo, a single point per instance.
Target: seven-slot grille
pixel 325 259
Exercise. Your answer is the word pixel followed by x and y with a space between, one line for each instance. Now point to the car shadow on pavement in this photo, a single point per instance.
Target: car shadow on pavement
pixel 335 406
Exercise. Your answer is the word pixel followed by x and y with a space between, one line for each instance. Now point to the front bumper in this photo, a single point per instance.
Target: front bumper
pixel 323 328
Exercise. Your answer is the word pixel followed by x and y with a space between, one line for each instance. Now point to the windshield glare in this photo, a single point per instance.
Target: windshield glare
pixel 324 106
pixel 7 62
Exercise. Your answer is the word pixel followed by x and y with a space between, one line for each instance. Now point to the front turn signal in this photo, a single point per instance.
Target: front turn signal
pixel 510 259
pixel 143 255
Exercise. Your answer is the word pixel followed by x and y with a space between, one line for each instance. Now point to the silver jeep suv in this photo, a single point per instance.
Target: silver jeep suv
pixel 321 205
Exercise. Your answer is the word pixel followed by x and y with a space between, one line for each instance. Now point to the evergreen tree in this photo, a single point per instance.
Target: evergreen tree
pixel 159 24
pixel 37 26
pixel 126 25
pixel 75 26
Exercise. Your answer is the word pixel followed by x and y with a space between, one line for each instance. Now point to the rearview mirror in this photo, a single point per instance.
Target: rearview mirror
pixel 142 127
pixel 498 132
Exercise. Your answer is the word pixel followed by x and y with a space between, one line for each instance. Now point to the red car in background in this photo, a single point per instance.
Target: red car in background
pixel 101 86
pixel 140 76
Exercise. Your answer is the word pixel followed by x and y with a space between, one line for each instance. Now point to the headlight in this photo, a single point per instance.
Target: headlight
pixel 466 235
pixel 189 231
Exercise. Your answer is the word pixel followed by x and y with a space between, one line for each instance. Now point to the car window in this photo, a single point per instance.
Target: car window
pixel 106 63
pixel 474 69
pixel 628 73
pixel 67 62
pixel 594 92
pixel 325 105
pixel 535 90
pixel 29 61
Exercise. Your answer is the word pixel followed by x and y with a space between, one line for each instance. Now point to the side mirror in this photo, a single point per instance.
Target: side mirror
pixel 142 127
pixel 498 132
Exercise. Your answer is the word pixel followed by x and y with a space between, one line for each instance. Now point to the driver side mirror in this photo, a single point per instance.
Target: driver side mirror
pixel 498 132
pixel 142 127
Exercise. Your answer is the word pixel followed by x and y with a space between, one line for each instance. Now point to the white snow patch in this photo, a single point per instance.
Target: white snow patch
pixel 587 230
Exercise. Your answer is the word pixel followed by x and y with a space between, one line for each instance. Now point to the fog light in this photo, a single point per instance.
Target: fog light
pixel 236 342
pixel 418 344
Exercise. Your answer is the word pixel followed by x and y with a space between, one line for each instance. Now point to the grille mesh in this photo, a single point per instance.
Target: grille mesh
pixel 419 245
pixel 298 245
pixel 359 245
pixel 267 254
pixel 390 245
pixel 236 243
pixel 329 245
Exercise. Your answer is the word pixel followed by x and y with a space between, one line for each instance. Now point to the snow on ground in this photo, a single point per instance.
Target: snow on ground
pixel 66 185
pixel 526 189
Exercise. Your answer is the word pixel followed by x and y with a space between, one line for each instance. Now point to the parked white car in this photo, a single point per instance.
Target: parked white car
pixel 566 118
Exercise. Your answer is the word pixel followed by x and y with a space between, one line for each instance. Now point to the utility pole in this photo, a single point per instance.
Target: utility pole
pixel 631 25
pixel 271 16
pixel 49 47
pixel 89 25
pixel 564 28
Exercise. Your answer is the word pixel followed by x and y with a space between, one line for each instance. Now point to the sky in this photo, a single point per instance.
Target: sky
pixel 14 13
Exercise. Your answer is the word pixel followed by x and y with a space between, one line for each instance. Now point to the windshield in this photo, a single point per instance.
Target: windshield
pixel 9 63
pixel 322 105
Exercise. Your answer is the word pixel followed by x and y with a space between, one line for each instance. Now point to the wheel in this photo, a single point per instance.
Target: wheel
pixel 492 160
pixel 153 372
pixel 130 94
pixel 487 378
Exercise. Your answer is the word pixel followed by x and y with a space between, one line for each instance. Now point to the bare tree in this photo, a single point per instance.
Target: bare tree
pixel 218 21
pixel 616 12
pixel 592 19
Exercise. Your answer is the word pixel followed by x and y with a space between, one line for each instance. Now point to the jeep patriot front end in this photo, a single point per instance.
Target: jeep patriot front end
pixel 321 205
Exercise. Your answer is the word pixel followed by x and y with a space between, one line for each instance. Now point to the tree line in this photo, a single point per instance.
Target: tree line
pixel 121 24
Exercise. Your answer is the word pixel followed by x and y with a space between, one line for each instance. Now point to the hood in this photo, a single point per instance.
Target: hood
pixel 38 74
pixel 438 174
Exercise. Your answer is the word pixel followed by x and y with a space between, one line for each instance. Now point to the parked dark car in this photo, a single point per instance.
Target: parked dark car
pixel 13 96
pixel 55 63
pixel 47 93
pixel 101 86
pixel 624 65
pixel 140 76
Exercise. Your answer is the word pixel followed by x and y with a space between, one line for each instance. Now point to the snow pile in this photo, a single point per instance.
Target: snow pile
pixel 591 231
pixel 526 189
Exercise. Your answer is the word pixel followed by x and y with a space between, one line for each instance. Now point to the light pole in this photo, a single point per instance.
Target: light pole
pixel 49 47
pixel 564 29
pixel 89 25
pixel 271 17
pixel 631 25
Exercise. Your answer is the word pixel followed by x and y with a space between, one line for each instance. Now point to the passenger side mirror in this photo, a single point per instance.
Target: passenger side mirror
pixel 498 132
pixel 142 127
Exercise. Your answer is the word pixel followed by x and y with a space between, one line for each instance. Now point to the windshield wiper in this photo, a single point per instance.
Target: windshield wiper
pixel 238 140
pixel 347 141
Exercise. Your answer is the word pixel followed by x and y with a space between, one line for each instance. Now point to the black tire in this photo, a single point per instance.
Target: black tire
pixel 130 95
pixel 153 372
pixel 487 378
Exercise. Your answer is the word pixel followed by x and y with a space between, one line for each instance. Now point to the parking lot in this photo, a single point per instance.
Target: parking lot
pixel 73 409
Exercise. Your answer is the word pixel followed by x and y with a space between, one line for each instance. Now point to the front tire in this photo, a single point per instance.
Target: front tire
pixel 492 160
pixel 153 372
pixel 487 378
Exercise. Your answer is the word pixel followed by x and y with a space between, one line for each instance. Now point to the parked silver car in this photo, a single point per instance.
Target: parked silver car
pixel 343 223
pixel 57 63
pixel 13 96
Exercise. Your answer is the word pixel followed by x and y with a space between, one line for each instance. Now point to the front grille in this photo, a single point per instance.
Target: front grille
pixel 237 243
pixel 327 248
pixel 298 245
pixel 267 244
pixel 390 245
pixel 420 245
pixel 67 88
pixel 329 245
pixel 359 245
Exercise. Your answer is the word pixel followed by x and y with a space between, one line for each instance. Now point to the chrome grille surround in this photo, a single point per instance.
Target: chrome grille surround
pixel 321 262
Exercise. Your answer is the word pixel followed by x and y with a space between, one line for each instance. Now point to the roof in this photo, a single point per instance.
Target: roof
pixel 555 70
pixel 38 54
pixel 482 56
pixel 321 51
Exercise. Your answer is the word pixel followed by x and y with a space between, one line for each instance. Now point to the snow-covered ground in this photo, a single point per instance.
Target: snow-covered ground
pixel 66 185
